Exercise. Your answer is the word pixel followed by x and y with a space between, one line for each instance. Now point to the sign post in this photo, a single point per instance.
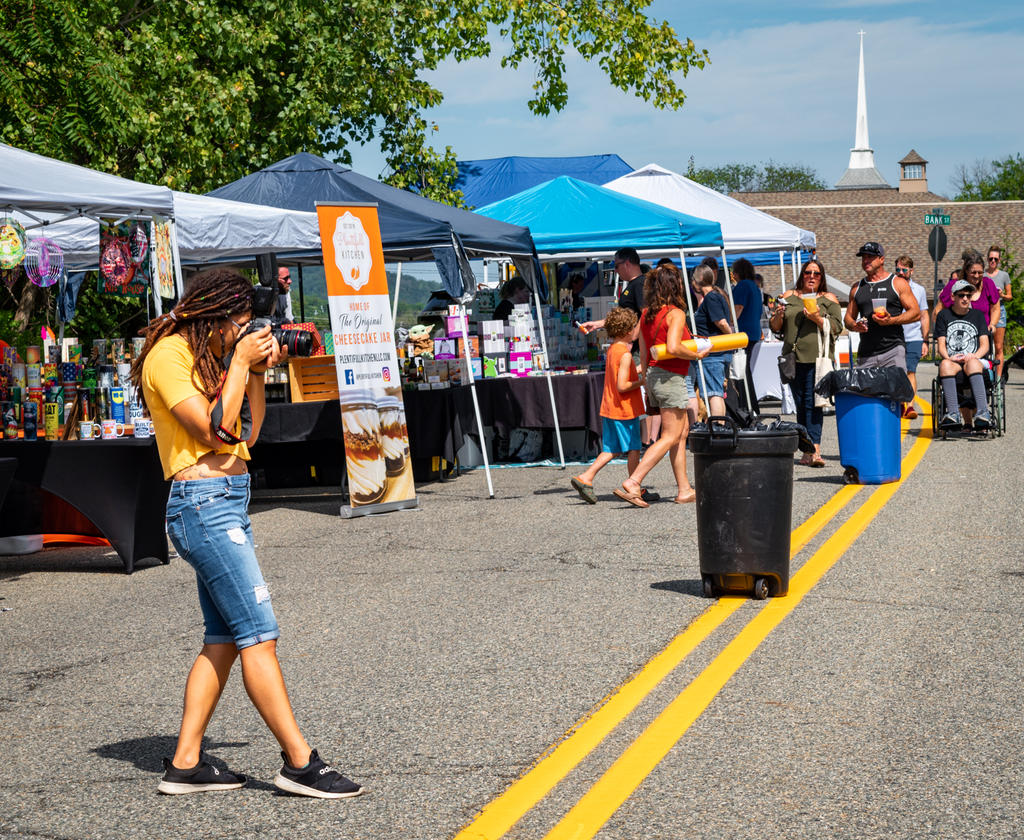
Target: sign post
pixel 937 250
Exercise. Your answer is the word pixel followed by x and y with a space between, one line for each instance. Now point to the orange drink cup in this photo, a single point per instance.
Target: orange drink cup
pixel 810 303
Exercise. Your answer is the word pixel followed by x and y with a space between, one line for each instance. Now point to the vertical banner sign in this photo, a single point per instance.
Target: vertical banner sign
pixel 369 386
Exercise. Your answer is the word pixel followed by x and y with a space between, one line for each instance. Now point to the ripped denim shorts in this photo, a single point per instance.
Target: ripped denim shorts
pixel 208 523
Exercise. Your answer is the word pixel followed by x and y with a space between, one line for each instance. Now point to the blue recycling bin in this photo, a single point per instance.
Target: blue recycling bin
pixel 869 438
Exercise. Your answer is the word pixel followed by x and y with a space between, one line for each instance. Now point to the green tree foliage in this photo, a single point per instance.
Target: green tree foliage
pixel 762 177
pixel 196 93
pixel 1001 180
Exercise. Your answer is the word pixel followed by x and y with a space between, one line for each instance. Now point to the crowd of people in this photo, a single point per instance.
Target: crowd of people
pixel 888 310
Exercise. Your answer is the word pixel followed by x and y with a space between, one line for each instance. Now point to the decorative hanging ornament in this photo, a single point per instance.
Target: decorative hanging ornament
pixel 139 244
pixel 44 261
pixel 12 243
pixel 116 264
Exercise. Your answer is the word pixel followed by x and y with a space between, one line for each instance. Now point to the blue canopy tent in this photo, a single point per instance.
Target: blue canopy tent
pixel 572 218
pixel 493 179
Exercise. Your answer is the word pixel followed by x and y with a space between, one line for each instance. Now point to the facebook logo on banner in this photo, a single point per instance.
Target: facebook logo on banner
pixel 350 377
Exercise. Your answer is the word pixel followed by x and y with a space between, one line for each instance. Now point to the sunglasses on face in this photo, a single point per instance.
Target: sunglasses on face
pixel 812 274
pixel 993 259
pixel 962 295
pixel 903 271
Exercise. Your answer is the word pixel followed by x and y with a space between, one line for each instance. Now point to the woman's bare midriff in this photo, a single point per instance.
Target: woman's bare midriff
pixel 213 465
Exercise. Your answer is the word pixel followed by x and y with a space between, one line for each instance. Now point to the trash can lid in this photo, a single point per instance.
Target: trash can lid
pixel 726 438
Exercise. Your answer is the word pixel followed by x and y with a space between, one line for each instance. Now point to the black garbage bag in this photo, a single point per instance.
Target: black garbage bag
pixel 886 382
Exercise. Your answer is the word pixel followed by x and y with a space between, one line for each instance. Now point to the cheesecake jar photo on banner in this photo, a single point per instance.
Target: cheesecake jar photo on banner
pixel 376 436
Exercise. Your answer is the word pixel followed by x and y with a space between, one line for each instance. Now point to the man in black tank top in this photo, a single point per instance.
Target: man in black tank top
pixel 881 303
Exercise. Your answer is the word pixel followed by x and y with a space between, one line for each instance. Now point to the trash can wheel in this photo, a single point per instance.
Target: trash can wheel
pixel 710 590
pixel 850 476
pixel 761 589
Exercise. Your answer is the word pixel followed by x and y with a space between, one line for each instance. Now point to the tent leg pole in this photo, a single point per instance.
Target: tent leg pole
pixel 394 303
pixel 302 297
pixel 176 253
pixel 735 320
pixel 782 272
pixel 693 330
pixel 547 372
pixel 476 402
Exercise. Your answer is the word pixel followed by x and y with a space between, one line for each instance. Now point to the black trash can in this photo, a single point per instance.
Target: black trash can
pixel 744 483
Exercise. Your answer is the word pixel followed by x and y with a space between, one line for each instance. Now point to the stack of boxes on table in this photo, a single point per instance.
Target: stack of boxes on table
pixel 506 349
pixel 70 395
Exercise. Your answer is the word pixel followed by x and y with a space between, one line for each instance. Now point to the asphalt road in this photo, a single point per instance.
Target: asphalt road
pixel 438 655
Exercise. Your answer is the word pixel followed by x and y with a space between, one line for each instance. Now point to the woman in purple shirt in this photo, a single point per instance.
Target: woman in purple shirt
pixel 986 294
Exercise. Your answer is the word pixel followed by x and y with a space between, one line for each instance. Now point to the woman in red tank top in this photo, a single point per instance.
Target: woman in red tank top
pixel 663 321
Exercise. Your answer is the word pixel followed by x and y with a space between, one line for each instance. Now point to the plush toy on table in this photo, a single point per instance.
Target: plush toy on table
pixel 419 338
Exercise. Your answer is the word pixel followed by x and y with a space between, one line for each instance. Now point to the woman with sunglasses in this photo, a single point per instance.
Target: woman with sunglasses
pixel 800 317
pixel 985 297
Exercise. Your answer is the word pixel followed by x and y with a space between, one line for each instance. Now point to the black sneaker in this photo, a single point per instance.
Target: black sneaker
pixel 951 422
pixel 204 776
pixel 982 421
pixel 315 779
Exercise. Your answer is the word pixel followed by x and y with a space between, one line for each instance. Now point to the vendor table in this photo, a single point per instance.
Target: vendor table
pixel 764 368
pixel 440 420
pixel 118 485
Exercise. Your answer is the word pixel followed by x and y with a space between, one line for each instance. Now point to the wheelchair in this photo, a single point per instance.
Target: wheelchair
pixel 994 392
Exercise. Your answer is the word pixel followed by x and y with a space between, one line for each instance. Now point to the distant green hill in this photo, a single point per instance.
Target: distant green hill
pixel 413 295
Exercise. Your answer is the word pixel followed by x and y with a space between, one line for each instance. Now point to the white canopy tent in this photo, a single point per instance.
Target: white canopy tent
pixel 209 230
pixel 745 229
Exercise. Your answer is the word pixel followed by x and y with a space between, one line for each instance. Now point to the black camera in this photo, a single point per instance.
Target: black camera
pixel 264 311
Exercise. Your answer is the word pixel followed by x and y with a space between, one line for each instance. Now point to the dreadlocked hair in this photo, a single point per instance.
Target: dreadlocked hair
pixel 662 286
pixel 211 296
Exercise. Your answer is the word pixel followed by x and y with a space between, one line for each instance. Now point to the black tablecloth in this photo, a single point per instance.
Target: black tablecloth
pixel 117 485
pixel 439 420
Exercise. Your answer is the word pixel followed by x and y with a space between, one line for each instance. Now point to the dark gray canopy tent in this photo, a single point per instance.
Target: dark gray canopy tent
pixel 412 227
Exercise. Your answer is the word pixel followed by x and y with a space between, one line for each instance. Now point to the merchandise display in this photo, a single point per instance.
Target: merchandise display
pixel 68 399
pixel 433 358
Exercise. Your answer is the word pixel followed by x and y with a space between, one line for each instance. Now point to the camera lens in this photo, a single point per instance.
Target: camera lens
pixel 298 342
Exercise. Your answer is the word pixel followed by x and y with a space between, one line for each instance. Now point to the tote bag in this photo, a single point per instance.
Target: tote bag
pixel 822 363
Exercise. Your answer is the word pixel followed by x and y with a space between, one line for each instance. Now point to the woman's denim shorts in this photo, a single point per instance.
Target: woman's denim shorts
pixel 716 366
pixel 208 523
pixel 1002 316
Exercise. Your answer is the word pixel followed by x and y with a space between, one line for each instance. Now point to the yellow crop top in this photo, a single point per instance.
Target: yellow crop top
pixel 167 381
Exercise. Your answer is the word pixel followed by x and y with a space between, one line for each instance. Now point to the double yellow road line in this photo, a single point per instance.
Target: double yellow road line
pixel 617 784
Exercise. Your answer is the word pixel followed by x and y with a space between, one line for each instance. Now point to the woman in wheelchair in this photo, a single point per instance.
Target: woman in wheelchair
pixel 963 342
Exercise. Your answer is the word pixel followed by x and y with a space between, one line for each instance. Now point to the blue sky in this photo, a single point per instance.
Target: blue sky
pixel 943 78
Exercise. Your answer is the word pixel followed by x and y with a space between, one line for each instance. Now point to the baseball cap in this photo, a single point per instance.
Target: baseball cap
pixel 871 249
pixel 961 286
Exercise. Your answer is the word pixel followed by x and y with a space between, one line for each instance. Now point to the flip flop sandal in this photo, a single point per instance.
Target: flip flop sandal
pixel 633 498
pixel 585 490
pixel 688 499
pixel 818 462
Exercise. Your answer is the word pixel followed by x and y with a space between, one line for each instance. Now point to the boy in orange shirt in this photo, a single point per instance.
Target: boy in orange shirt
pixel 621 404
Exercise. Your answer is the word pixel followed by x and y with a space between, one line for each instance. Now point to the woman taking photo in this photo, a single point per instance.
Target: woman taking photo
pixel 201 376
pixel 712 318
pixel 663 321
pixel 801 323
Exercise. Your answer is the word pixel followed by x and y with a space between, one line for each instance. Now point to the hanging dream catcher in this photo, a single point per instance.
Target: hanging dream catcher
pixel 138 244
pixel 12 243
pixel 116 264
pixel 44 261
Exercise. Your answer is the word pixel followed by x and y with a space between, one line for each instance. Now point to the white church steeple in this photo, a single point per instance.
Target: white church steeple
pixel 861 174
